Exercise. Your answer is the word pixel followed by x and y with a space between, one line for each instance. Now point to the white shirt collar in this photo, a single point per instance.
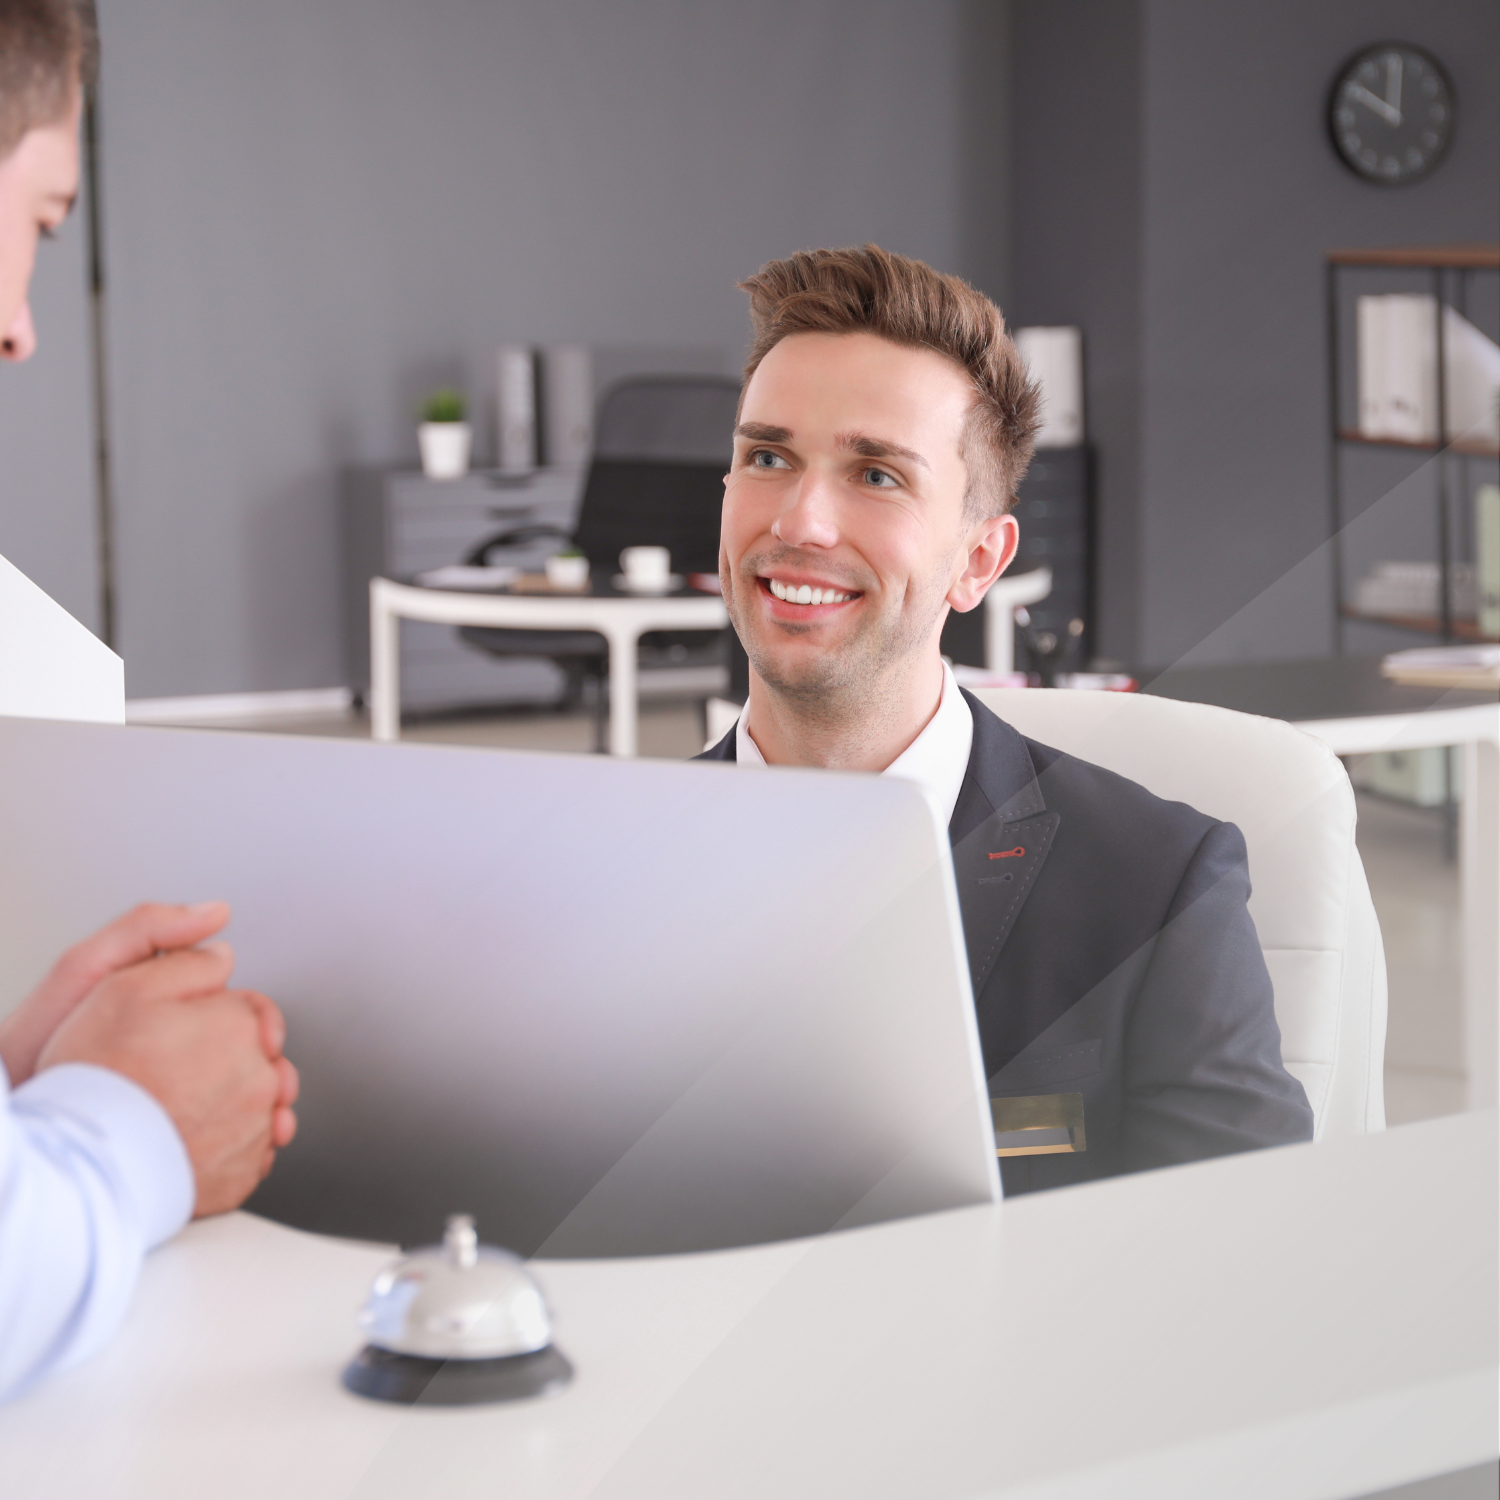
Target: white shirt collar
pixel 937 760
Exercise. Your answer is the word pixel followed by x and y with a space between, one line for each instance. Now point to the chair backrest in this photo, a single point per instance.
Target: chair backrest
pixel 1290 797
pixel 662 445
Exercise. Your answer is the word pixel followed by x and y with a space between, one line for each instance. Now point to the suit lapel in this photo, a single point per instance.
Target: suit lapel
pixel 1001 833
pixel 725 750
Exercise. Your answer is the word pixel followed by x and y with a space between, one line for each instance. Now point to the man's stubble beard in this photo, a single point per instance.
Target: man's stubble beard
pixel 840 687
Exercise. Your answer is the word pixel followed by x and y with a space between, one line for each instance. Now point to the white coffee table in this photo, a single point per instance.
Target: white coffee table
pixel 621 619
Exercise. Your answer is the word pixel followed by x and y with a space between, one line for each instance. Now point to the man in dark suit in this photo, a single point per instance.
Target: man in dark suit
pixel 885 423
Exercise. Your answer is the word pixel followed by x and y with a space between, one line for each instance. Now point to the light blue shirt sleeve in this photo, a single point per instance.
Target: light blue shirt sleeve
pixel 93 1174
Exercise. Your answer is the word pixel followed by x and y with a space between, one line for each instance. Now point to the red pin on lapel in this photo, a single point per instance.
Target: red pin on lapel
pixel 1009 853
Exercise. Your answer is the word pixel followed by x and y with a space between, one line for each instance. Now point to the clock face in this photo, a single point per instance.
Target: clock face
pixel 1391 113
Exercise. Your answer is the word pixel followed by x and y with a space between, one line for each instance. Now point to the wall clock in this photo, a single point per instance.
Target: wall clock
pixel 1390 113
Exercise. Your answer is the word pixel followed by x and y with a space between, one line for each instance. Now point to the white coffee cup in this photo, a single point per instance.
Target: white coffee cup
pixel 646 567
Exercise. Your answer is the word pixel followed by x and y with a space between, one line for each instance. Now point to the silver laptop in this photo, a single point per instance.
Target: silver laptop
pixel 609 1007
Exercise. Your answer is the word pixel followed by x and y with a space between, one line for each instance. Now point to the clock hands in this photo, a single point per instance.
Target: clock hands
pixel 1387 112
pixel 1393 68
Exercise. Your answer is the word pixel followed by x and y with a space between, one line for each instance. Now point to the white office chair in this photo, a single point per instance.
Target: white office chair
pixel 1290 797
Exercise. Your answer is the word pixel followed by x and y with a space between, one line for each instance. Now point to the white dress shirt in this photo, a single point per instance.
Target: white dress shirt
pixel 937 760
pixel 93 1174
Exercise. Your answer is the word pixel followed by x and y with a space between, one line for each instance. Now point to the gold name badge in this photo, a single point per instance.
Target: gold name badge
pixel 1038 1124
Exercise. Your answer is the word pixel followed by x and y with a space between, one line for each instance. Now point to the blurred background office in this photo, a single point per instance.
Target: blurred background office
pixel 304 220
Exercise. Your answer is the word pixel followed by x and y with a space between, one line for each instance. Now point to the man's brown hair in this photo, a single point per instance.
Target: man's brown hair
pixel 870 290
pixel 47 49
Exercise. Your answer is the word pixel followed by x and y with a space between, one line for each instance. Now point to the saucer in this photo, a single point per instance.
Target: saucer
pixel 625 586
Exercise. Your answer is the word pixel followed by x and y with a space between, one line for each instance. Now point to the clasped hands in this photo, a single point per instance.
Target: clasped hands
pixel 147 997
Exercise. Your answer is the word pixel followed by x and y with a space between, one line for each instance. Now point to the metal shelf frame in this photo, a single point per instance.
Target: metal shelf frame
pixel 1449 271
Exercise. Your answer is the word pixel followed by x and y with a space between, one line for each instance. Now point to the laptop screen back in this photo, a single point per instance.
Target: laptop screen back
pixel 607 1007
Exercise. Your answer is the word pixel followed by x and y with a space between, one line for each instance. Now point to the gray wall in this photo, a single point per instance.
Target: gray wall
pixel 313 212
pixel 1203 287
pixel 1076 250
pixel 47 508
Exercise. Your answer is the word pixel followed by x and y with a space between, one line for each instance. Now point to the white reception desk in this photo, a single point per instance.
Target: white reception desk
pixel 1310 1323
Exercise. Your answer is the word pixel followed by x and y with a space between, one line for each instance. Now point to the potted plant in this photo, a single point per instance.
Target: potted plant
pixel 568 569
pixel 444 436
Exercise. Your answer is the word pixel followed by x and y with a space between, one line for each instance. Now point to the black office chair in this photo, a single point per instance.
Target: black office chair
pixel 661 448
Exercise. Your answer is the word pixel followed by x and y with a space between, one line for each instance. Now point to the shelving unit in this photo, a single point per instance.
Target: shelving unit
pixel 1448 272
pixel 1459 629
pixel 1462 446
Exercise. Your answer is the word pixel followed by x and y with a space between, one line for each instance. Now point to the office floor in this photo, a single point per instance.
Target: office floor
pixel 1417 900
pixel 1415 888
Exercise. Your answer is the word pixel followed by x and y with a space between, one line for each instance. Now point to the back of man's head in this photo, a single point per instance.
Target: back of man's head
pixel 47 48
pixel 870 290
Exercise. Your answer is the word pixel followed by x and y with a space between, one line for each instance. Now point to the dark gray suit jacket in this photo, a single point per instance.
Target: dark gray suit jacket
pixel 1113 956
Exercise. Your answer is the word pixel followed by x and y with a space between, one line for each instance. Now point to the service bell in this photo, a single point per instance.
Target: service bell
pixel 456 1323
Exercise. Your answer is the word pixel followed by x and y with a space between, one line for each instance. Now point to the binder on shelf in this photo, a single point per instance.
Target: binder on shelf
pixel 1373 355
pixel 1487 558
pixel 1397 372
pixel 1415 588
pixel 1054 358
pixel 515 409
pixel 568 396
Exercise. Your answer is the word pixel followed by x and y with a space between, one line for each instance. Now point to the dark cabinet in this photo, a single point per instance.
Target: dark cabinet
pixel 1054 513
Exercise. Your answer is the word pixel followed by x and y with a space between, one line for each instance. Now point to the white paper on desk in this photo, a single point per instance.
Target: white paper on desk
pixel 1438 657
pixel 51 667
pixel 461 576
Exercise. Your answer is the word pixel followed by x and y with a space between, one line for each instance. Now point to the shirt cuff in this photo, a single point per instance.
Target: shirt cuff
pixel 132 1130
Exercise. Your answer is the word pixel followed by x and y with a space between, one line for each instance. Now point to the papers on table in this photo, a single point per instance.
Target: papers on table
pixel 1445 666
pixel 461 576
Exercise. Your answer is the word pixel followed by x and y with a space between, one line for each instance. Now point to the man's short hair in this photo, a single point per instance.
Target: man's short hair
pixel 870 290
pixel 48 48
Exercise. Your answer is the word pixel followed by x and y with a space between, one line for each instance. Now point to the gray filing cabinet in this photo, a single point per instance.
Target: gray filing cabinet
pixel 396 524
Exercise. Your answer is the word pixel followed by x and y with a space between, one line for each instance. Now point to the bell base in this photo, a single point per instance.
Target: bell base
pixel 408 1379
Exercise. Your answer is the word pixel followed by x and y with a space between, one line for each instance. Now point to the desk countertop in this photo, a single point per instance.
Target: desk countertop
pixel 1311 1323
pixel 1318 688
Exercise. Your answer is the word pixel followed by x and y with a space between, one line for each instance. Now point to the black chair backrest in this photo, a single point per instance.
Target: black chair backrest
pixel 662 445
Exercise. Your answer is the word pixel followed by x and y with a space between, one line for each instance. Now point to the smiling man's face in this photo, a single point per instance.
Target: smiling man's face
pixel 38 182
pixel 845 538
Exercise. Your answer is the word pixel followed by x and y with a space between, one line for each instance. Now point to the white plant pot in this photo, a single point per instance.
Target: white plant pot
pixel 568 572
pixel 445 449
